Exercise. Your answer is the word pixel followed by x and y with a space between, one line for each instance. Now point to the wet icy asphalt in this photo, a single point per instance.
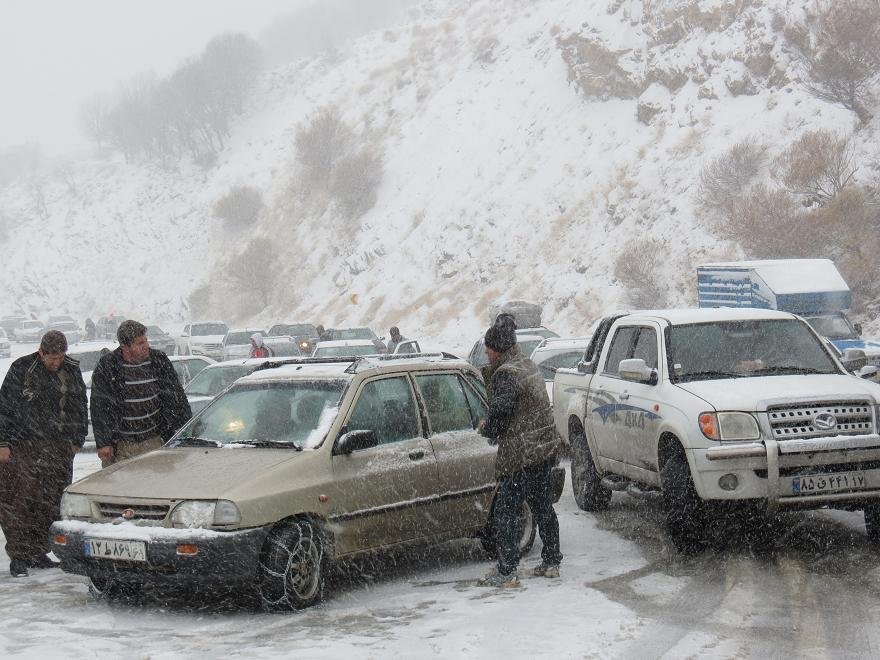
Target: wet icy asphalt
pixel 623 593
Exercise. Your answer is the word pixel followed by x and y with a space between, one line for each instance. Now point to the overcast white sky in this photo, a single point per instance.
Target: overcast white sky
pixel 54 53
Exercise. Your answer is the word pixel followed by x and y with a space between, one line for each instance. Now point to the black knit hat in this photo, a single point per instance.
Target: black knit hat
pixel 502 335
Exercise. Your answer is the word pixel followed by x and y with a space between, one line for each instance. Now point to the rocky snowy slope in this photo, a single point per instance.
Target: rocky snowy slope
pixel 524 146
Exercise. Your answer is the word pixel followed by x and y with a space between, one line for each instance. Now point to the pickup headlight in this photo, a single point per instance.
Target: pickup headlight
pixel 75 506
pixel 729 426
pixel 191 514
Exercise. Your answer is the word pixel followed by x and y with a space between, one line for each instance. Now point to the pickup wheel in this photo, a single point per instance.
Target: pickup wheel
pixel 526 539
pixel 872 524
pixel 291 572
pixel 589 493
pixel 685 513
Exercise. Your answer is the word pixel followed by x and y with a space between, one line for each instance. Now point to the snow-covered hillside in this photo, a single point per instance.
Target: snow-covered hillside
pixel 502 175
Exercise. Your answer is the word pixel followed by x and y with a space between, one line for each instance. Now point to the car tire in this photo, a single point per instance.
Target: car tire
pixel 872 524
pixel 526 540
pixel 291 573
pixel 685 513
pixel 586 482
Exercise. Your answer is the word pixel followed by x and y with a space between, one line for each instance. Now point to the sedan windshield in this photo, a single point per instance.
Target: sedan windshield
pixel 211 382
pixel 344 351
pixel 240 338
pixel 294 330
pixel 297 415
pixel 739 349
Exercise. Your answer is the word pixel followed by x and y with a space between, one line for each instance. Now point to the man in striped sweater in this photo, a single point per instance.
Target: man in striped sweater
pixel 137 402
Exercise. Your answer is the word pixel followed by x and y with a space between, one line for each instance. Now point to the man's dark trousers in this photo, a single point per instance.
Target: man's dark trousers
pixel 532 485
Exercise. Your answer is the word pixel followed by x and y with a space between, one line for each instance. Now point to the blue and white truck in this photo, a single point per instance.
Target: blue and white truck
pixel 811 288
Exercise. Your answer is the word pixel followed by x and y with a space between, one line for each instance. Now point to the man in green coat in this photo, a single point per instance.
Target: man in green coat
pixel 520 422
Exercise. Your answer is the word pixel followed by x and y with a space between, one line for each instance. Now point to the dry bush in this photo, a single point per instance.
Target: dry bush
pixel 241 206
pixel 356 181
pixel 817 166
pixel 841 55
pixel 638 267
pixel 595 69
pixel 322 144
pixel 724 179
pixel 767 223
pixel 200 302
pixel 253 275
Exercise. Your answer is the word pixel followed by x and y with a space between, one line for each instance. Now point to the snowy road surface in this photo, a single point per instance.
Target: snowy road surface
pixel 623 593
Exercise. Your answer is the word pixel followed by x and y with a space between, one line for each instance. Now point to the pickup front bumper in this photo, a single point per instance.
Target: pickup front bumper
pixel 805 473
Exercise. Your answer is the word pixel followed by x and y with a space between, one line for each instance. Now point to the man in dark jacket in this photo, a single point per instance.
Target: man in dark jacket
pixel 395 339
pixel 137 401
pixel 520 422
pixel 43 422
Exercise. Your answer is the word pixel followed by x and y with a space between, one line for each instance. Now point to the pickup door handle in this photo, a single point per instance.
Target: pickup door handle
pixel 624 395
pixel 417 454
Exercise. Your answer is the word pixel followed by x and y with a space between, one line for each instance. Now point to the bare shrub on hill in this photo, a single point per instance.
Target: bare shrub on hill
pixel 817 166
pixel 321 145
pixel 252 275
pixel 839 50
pixel 767 222
pixel 241 206
pixel 200 301
pixel 596 70
pixel 638 267
pixel 94 114
pixel 356 180
pixel 725 178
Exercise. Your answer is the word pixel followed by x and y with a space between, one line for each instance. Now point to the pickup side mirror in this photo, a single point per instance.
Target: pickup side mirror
pixel 584 367
pixel 355 441
pixel 868 372
pixel 637 370
pixel 854 359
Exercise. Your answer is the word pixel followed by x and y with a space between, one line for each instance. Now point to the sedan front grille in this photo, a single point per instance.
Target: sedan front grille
pixel 113 510
pixel 798 421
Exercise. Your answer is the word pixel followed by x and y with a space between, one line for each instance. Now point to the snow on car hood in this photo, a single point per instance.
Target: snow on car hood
pixel 754 394
pixel 183 473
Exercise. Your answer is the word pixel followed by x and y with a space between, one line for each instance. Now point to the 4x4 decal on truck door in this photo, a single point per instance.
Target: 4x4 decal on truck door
pixel 634 416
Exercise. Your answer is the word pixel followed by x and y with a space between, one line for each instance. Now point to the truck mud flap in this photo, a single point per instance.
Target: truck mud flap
pixel 557 479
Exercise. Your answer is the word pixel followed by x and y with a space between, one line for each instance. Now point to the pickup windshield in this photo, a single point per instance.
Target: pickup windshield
pixel 267 415
pixel 833 327
pixel 741 349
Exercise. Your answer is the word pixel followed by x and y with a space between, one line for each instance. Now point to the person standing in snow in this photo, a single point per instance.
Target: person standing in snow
pixel 137 401
pixel 258 350
pixel 520 422
pixel 395 339
pixel 43 423
pixel 91 330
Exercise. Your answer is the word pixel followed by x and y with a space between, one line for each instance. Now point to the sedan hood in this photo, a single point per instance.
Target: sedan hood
pixel 183 473
pixel 755 394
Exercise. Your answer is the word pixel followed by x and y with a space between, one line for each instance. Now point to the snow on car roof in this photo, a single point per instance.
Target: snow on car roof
pixel 301 370
pixel 709 314
pixel 344 342
pixel 562 343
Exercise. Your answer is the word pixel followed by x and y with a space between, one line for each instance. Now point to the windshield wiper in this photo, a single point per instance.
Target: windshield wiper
pixel 198 442
pixel 788 369
pixel 708 375
pixel 276 444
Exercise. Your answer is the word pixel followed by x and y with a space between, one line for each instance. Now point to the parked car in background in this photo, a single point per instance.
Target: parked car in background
pixel 60 318
pixel 237 342
pixel 30 331
pixel 551 354
pixel 70 329
pixel 188 367
pixel 407 347
pixel 88 360
pixel 304 334
pixel 106 326
pixel 215 378
pixel 332 460
pixel 344 348
pixel 340 334
pixel 10 323
pixel 526 342
pixel 160 340
pixel 203 338
pixel 5 346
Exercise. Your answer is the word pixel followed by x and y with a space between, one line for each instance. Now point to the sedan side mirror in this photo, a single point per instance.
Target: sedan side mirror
pixel 355 441
pixel 637 370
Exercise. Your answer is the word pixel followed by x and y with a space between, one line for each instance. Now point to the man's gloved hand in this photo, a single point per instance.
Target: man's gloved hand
pixel 5 454
pixel 106 453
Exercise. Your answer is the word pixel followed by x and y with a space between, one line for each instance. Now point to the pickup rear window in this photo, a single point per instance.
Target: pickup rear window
pixel 742 349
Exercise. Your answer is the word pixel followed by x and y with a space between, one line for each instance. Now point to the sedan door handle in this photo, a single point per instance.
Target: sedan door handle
pixel 624 395
pixel 417 455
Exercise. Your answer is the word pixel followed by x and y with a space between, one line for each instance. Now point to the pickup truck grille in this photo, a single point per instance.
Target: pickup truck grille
pixel 799 421
pixel 113 510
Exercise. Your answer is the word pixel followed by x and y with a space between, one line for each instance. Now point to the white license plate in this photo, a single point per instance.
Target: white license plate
pixel 811 484
pixel 112 549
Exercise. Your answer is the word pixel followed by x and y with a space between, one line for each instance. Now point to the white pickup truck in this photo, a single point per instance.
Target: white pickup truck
pixel 720 410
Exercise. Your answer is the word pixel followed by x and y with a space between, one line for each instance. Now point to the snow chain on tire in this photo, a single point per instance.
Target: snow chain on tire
pixel 291 568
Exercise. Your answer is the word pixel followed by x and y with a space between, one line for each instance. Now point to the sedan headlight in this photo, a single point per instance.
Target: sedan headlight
pixel 192 514
pixel 75 506
pixel 730 426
